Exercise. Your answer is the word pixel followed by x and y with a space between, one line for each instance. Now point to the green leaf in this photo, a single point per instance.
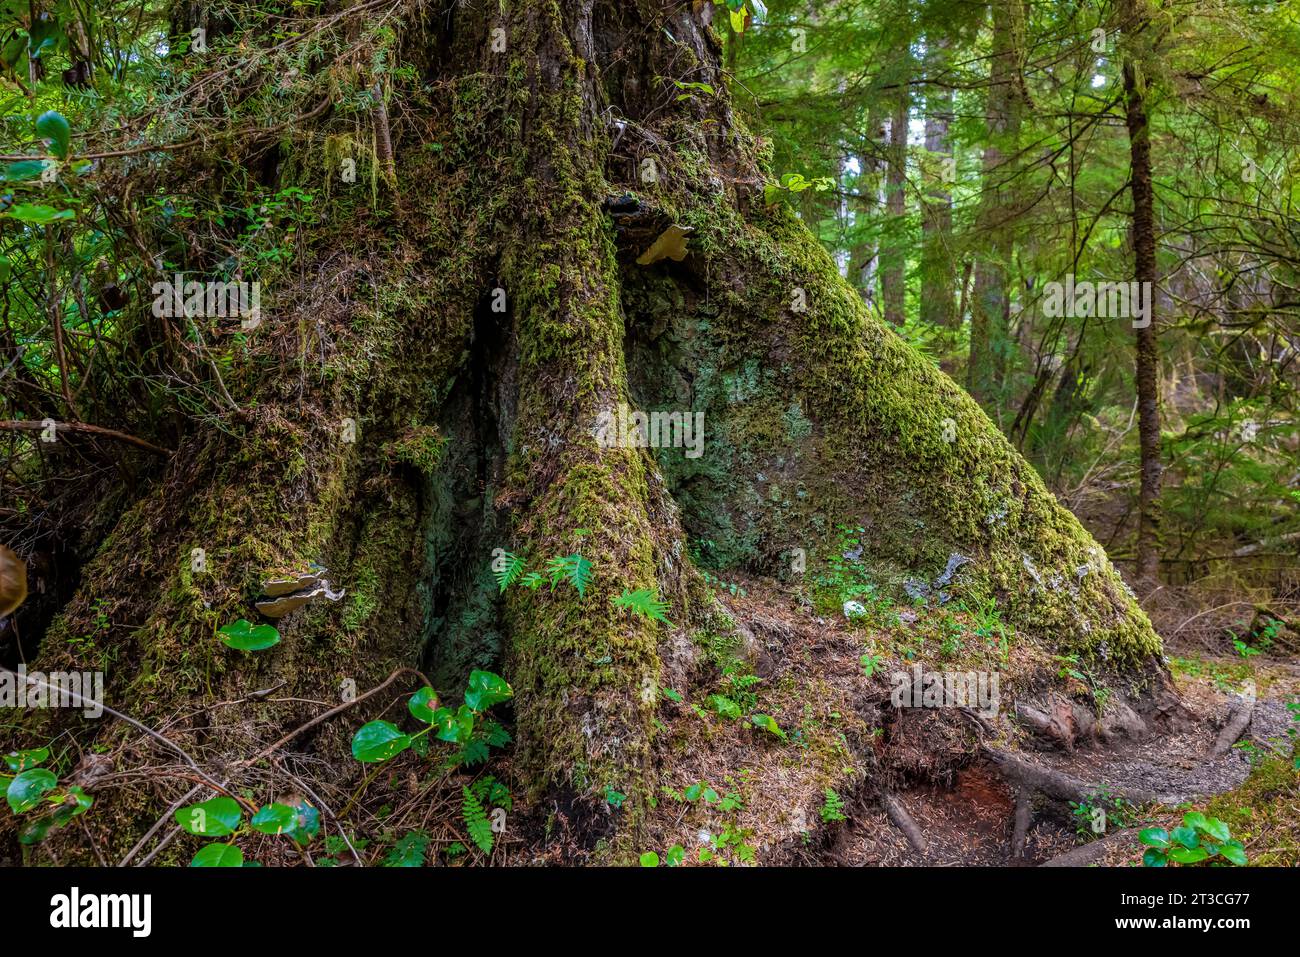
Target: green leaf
pixel 243 635
pixel 507 567
pixel 25 790
pixel 1185 836
pixel 674 855
pixel 1234 852
pixel 23 171
pixel 1154 836
pixel 423 704
pixel 1154 858
pixel 1186 855
pixel 53 127
pixel 649 859
pixel 378 741
pixel 1217 829
pixel 725 706
pixel 38 215
pixel 1196 819
pixel 480 828
pixel 218 855
pixel 769 723
pixel 454 726
pixel 409 851
pixel 574 567
pixel 217 817
pixel 22 760
pixel 486 689
pixel 274 819
pixel 644 602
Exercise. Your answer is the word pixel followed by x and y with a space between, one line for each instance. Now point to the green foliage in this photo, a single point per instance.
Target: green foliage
pixel 243 635
pixel 409 851
pixel 832 808
pixel 476 821
pixel 1200 840
pixel 644 602
pixel 573 568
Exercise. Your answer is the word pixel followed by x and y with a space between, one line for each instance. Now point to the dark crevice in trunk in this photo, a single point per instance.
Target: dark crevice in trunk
pixel 464 630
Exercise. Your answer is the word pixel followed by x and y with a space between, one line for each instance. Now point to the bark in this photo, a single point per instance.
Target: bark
pixel 475 430
pixel 1147 566
pixel 990 303
pixel 893 257
pixel 938 276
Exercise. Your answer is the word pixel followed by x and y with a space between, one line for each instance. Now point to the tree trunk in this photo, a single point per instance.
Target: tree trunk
pixel 893 255
pixel 1147 566
pixel 938 275
pixel 990 304
pixel 429 389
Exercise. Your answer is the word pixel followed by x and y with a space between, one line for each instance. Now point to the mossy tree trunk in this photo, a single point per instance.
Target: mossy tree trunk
pixel 473 331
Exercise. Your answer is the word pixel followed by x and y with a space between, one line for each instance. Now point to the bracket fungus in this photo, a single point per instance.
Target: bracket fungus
pixel 283 595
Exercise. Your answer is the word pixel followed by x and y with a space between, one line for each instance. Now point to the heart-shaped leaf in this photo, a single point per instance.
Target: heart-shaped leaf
pixel 378 741
pixel 1187 855
pixel 1154 836
pixel 273 819
pixel 423 704
pixel 243 635
pixel 217 817
pixel 1234 852
pixel 24 791
pixel 486 689
pixel 218 855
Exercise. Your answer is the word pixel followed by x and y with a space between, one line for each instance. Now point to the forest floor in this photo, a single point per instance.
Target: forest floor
pixel 818 791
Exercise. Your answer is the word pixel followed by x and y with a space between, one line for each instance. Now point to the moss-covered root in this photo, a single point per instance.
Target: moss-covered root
pixel 581 665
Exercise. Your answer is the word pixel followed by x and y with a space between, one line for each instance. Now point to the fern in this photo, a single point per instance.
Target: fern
pixel 573 567
pixel 644 602
pixel 507 567
pixel 480 828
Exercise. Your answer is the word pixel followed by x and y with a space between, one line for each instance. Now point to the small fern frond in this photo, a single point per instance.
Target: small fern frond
pixel 476 821
pixel 644 602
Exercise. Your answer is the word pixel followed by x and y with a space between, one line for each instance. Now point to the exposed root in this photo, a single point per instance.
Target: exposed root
pixel 1089 853
pixel 1057 784
pixel 1238 721
pixel 1020 829
pixel 902 819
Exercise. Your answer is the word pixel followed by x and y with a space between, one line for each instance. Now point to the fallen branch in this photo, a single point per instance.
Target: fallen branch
pixel 901 819
pixel 31 425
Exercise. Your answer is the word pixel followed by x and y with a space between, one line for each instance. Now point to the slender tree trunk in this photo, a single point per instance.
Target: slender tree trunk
pixel 1147 568
pixel 938 275
pixel 893 256
pixel 990 301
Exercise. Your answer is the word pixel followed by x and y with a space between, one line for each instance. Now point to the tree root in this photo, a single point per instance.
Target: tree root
pixel 903 820
pixel 1088 853
pixel 1239 719
pixel 1020 830
pixel 1066 787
